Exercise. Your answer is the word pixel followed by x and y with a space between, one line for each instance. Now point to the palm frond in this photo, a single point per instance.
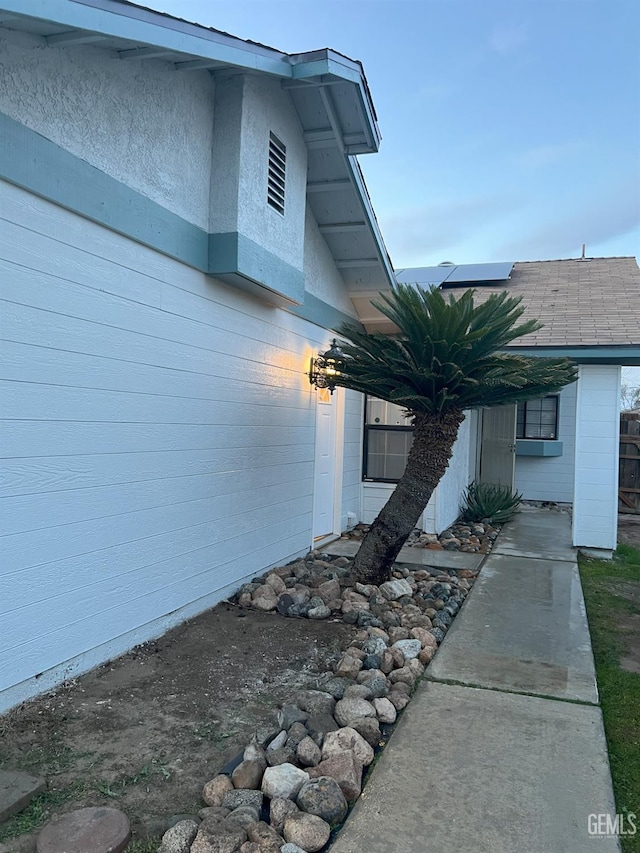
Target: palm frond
pixel 448 354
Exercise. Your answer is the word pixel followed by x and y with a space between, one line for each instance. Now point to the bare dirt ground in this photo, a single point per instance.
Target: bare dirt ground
pixel 629 529
pixel 144 732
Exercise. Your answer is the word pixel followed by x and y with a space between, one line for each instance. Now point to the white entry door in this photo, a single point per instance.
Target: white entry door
pixel 498 449
pixel 325 464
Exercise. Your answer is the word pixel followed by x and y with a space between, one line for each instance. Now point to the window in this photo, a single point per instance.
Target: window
pixel 276 177
pixel 388 437
pixel 538 418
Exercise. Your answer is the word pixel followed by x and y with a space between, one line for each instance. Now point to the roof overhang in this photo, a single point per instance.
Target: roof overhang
pixel 328 91
pixel 626 356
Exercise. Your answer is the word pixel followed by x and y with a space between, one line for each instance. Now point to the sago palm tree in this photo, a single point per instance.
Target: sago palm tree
pixel 448 357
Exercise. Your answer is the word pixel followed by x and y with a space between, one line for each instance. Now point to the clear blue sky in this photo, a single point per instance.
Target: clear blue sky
pixel 511 130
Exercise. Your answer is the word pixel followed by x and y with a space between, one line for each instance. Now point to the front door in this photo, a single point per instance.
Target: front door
pixel 325 464
pixel 498 449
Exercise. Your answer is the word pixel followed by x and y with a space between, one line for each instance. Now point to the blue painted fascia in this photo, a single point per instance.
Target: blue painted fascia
pixel 626 354
pixel 326 66
pixel 372 222
pixel 333 64
pixel 119 20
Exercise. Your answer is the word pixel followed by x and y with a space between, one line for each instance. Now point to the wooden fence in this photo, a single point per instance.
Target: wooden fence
pixel 629 484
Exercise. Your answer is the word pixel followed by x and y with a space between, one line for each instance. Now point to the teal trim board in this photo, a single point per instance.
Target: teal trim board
pixel 538 447
pixel 623 354
pixel 234 256
pixel 34 163
pixel 38 165
pixel 322 314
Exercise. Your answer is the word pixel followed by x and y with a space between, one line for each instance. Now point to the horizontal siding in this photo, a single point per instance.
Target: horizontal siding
pixel 550 478
pixel 184 581
pixel 375 496
pixel 595 508
pixel 455 480
pixel 157 438
pixel 352 468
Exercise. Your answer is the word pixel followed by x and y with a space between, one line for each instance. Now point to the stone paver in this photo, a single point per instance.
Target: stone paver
pixel 92 830
pixel 524 628
pixel 479 771
pixel 413 556
pixel 541 534
pixel 17 789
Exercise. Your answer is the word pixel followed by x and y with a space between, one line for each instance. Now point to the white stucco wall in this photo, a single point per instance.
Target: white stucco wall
pixel 159 442
pixel 267 108
pixel 595 506
pixel 142 123
pixel 321 276
pixel 551 478
pixel 225 155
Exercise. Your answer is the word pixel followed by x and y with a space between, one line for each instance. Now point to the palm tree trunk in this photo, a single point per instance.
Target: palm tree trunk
pixel 433 439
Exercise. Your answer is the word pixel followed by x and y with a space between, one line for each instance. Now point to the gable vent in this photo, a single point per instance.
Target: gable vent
pixel 277 166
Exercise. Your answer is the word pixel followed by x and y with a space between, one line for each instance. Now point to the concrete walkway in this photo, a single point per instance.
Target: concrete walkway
pixel 477 763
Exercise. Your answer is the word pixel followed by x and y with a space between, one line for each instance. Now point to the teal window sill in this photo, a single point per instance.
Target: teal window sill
pixel 538 447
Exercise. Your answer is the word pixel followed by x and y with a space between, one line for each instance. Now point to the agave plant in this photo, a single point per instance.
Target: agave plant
pixel 485 500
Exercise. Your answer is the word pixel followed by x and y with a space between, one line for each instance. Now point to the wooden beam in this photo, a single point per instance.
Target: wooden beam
pixel 626 500
pixel 74 37
pixel 198 65
pixel 339 227
pixel 328 186
pixel 144 53
pixel 355 263
pixel 311 84
pixel 324 134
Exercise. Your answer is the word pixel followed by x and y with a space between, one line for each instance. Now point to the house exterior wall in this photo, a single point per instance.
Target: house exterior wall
pixel 551 478
pixel 266 108
pixel 444 506
pixel 159 441
pixel 352 469
pixel 321 277
pixel 454 481
pixel 142 123
pixel 247 109
pixel 595 506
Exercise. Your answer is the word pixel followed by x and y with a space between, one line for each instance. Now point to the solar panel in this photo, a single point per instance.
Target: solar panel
pixel 468 273
pixel 424 275
pixel 455 274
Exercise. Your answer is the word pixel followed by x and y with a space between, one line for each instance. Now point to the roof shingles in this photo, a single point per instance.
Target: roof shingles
pixel 591 302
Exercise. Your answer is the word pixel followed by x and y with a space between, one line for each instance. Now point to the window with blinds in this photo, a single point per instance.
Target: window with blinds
pixel 388 436
pixel 538 418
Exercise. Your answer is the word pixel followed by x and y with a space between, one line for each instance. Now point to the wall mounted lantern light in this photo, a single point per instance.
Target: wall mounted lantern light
pixel 325 367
